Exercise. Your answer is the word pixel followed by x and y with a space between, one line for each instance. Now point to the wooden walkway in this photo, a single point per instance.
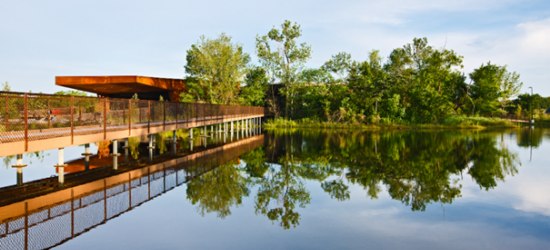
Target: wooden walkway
pixel 32 122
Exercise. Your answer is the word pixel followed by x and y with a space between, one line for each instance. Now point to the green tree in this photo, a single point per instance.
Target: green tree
pixel 254 92
pixel 6 86
pixel 367 82
pixel 71 92
pixel 339 65
pixel 283 58
pixel 215 69
pixel 492 86
pixel 424 76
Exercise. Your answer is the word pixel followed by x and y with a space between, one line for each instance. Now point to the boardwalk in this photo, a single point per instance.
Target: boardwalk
pixel 34 122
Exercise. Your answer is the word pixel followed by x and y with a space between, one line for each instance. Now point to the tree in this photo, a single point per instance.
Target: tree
pixel 367 82
pixel 215 69
pixel 254 92
pixel 339 65
pixel 423 77
pixel 6 87
pixel 283 58
pixel 491 88
pixel 71 92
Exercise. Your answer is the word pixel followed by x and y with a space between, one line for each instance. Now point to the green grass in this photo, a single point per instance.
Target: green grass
pixel 454 122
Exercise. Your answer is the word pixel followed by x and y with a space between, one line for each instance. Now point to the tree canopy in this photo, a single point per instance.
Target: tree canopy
pixel 416 83
pixel 283 58
pixel 215 70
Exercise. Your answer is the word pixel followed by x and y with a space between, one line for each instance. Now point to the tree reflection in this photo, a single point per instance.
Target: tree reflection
pixel 218 190
pixel 279 191
pixel 416 168
pixel 528 137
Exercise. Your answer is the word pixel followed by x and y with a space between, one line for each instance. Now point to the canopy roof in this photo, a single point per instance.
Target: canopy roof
pixel 125 86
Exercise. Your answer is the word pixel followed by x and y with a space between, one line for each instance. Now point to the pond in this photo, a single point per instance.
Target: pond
pixel 309 189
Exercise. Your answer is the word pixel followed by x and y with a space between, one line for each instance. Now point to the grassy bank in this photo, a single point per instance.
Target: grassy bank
pixel 456 122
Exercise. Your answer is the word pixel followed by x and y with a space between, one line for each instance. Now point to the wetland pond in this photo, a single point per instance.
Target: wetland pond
pixel 301 189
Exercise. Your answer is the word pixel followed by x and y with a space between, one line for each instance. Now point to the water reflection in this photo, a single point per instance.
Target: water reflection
pixel 415 168
pixel 283 176
pixel 53 215
pixel 218 190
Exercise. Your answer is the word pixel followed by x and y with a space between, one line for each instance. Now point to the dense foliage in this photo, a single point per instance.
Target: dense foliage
pixel 215 69
pixel 416 83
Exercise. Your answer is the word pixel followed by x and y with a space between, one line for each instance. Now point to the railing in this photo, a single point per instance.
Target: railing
pixel 27 117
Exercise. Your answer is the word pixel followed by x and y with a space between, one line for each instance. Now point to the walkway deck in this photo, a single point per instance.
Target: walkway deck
pixel 32 122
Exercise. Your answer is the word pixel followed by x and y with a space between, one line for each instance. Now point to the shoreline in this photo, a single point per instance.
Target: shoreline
pixel 493 123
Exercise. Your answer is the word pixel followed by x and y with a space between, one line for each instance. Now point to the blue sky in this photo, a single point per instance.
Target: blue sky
pixel 42 39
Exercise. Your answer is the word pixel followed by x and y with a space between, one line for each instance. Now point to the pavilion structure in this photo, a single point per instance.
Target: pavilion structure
pixel 146 87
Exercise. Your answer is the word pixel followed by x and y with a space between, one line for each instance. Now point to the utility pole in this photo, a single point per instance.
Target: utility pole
pixel 531 120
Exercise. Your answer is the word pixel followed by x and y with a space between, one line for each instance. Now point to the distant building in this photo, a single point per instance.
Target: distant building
pixel 147 88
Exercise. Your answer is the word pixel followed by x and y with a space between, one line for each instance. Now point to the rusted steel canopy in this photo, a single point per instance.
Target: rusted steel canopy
pixel 125 86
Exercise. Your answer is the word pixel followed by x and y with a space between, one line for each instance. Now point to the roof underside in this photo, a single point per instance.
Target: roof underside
pixel 120 85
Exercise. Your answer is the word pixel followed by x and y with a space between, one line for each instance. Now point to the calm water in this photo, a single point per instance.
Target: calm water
pixel 323 190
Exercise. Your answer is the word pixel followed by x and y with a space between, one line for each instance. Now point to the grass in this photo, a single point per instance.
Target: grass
pixel 453 122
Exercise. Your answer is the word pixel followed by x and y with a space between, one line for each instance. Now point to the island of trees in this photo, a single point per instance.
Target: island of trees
pixel 414 84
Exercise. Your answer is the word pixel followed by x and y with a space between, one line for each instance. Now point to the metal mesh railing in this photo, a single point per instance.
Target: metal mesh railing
pixel 27 117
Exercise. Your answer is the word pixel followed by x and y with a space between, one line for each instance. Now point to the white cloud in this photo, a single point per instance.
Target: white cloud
pixel 535 37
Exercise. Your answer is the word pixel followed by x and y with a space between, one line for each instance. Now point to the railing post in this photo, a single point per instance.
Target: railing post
pixel 7 118
pixel 148 116
pixel 163 115
pixel 129 117
pixel 26 112
pixel 104 118
pixel 177 111
pixel 72 119
pixel 49 114
pixel 139 110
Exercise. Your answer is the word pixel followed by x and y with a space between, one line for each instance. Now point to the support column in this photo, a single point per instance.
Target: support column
pixel 174 142
pixel 115 154
pixel 224 133
pixel 247 127
pixel 86 155
pixel 241 123
pixel 60 166
pixel 254 125
pixel 19 166
pixel 126 147
pixel 205 136
pixel 253 120
pixel 191 139
pixel 151 147
pixel 232 127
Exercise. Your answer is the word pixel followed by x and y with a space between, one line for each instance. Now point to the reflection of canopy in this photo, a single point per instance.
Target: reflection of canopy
pixel 125 86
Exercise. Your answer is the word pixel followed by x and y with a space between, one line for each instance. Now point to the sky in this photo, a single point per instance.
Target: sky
pixel 43 39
